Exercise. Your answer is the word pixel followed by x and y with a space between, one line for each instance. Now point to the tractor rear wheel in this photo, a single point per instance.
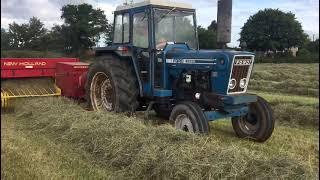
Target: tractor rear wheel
pixel 111 85
pixel 258 124
pixel 189 117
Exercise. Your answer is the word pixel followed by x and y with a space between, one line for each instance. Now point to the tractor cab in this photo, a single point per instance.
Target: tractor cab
pixel 148 30
pixel 154 24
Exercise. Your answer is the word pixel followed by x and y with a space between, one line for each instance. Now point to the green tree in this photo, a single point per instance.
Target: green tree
pixel 28 35
pixel 84 25
pixel 18 35
pixel 208 37
pixel 313 46
pixel 272 29
pixel 213 26
pixel 35 35
pixel 108 34
pixel 5 39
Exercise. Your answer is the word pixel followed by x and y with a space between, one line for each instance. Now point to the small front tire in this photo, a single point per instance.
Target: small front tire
pixel 189 117
pixel 258 124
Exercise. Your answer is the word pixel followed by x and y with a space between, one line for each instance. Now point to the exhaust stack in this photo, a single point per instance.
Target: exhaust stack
pixel 224 21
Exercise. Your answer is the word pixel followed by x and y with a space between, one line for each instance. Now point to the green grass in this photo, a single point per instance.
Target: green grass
pixel 54 137
pixel 296 79
pixel 293 110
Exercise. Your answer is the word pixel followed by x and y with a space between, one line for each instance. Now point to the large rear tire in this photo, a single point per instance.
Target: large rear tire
pixel 258 124
pixel 112 85
pixel 189 117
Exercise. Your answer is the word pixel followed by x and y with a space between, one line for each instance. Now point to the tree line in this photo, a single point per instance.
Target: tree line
pixel 83 27
pixel 267 30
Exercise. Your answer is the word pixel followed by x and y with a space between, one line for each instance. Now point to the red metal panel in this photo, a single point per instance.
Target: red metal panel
pixel 31 67
pixel 71 77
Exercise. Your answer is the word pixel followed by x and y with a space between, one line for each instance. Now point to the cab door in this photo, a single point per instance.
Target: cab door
pixel 141 42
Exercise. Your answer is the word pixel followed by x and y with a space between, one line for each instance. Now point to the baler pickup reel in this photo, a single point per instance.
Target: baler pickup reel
pixel 29 77
pixel 12 93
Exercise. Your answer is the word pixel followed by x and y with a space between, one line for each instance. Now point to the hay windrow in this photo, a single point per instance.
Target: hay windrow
pixel 78 144
pixel 135 150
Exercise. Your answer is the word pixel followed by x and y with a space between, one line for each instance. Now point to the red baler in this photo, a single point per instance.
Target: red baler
pixel 68 73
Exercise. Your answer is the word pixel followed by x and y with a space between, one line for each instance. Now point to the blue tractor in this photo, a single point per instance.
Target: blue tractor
pixel 154 62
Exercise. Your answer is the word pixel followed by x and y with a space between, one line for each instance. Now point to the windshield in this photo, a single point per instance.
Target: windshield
pixel 172 25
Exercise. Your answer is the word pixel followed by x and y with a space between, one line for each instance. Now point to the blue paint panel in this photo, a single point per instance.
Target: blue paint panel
pixel 215 115
pixel 240 99
pixel 162 93
pixel 147 89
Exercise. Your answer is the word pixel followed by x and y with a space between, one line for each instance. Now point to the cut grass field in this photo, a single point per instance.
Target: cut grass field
pixel 54 138
pixel 296 79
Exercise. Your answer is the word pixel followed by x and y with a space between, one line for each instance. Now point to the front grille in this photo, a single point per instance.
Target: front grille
pixel 241 69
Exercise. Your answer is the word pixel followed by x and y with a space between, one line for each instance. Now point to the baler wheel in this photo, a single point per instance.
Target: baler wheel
pixel 258 124
pixel 112 86
pixel 189 117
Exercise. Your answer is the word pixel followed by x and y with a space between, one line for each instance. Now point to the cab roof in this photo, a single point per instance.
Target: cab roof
pixel 155 2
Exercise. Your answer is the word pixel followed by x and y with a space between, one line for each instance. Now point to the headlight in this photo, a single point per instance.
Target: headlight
pixel 243 83
pixel 232 83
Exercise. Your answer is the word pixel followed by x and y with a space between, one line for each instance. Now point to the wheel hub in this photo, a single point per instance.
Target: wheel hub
pixel 101 93
pixel 184 123
pixel 250 123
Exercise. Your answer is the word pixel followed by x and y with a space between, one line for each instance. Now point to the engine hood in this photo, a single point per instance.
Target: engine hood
pixel 203 54
pixel 179 58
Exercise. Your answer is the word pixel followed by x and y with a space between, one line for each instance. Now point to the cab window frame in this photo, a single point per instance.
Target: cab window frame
pixel 125 38
pixel 146 45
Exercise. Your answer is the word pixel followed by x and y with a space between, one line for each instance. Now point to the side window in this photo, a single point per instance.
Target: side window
pixel 117 35
pixel 140 30
pixel 126 24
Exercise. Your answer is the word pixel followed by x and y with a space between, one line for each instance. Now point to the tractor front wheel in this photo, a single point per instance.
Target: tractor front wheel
pixel 111 86
pixel 189 117
pixel 258 124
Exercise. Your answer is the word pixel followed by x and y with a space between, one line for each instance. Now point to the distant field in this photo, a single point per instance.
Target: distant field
pixel 54 138
pixel 292 90
pixel 295 79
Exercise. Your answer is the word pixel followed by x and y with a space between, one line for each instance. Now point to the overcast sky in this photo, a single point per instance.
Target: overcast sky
pixel 48 11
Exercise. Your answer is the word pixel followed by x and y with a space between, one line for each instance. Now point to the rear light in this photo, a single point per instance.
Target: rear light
pixel 123 49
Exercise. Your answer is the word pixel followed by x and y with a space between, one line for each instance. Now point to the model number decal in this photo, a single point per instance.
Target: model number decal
pixel 191 61
pixel 242 62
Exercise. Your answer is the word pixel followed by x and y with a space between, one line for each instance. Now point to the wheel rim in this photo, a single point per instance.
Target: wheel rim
pixel 102 92
pixel 250 123
pixel 183 122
